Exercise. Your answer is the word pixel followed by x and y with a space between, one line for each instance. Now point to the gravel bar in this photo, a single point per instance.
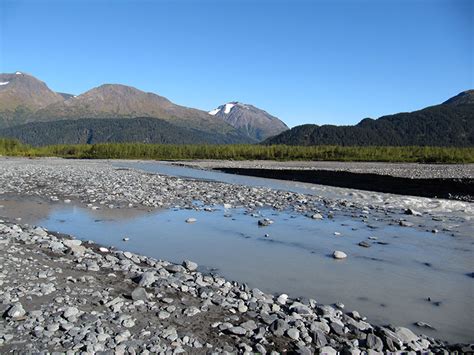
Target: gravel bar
pixel 403 170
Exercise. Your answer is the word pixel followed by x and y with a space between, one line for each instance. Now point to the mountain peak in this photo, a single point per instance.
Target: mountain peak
pixel 20 90
pixel 463 98
pixel 250 120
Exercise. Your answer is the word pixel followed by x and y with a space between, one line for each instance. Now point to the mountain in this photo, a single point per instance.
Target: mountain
pixel 250 120
pixel 448 124
pixel 121 101
pixel 21 95
pixel 25 99
pixel 464 98
pixel 106 130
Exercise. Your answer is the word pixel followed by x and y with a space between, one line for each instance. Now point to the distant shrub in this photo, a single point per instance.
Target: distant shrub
pixel 242 152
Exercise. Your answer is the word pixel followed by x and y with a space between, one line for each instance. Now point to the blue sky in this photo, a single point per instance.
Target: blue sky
pixel 303 61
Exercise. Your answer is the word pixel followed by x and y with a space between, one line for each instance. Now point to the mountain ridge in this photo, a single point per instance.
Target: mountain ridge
pixel 448 124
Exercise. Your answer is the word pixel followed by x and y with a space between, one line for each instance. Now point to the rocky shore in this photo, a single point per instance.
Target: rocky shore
pixel 61 294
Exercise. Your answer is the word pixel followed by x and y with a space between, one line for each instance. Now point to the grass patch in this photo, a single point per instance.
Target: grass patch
pixel 10 147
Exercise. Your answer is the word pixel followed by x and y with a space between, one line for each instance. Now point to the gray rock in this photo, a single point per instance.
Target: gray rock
pixel 339 254
pixel 374 342
pixel 237 330
pixel 405 334
pixel 405 224
pixel 364 244
pixel 189 265
pixel 16 311
pixel 174 268
pixel 191 311
pixel 410 211
pixel 163 315
pixel 300 308
pixel 293 333
pixel 278 327
pixel 147 279
pixel 424 325
pixel 70 312
pixel 249 325
pixel 317 216
pixel 318 337
pixel 264 222
pixel 139 293
pixel 327 350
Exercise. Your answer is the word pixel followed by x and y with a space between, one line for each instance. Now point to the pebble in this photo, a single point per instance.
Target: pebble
pixel 191 220
pixel 189 265
pixel 139 294
pixel 339 254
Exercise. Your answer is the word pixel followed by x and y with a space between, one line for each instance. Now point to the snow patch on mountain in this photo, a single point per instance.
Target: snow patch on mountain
pixel 18 73
pixel 4 83
pixel 228 107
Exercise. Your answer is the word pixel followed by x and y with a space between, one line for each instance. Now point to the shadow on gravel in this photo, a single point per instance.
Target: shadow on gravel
pixel 457 189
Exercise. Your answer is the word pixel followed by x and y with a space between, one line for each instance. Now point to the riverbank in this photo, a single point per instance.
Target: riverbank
pixel 111 186
pixel 61 294
pixel 426 180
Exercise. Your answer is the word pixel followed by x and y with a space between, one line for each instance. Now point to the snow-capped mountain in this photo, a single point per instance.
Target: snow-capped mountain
pixel 254 122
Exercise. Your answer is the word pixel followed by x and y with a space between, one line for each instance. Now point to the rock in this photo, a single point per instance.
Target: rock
pixel 189 265
pixel 339 254
pixel 191 220
pixel 103 250
pixel 320 326
pixel 374 342
pixel 337 328
pixel 147 279
pixel 163 315
pixel 249 325
pixel 364 244
pixel 300 308
pixel 318 337
pixel 405 224
pixel 72 242
pixel 293 333
pixel 317 216
pixel 265 222
pixel 139 293
pixel 237 330
pixel 126 239
pixel 128 255
pixel 327 350
pixel 242 307
pixel 16 311
pixel 191 311
pixel 77 250
pixel 278 327
pixel 70 312
pixel 174 268
pixel 282 299
pixel 412 212
pixel 424 325
pixel 405 334
pixel 128 323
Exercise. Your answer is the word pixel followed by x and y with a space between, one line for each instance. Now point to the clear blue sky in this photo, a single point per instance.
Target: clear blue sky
pixel 303 61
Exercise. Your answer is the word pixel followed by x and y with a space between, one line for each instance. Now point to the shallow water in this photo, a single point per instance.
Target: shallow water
pixel 461 209
pixel 388 283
